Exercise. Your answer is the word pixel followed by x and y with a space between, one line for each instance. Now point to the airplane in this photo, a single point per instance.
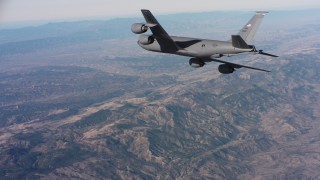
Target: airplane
pixel 201 51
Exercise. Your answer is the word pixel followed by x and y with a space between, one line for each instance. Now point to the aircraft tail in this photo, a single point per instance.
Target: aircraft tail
pixel 249 30
pixel 238 42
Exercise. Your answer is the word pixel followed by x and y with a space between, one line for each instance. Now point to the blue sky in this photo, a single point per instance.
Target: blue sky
pixel 48 10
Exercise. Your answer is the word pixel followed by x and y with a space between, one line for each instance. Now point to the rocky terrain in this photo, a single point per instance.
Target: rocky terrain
pixel 87 109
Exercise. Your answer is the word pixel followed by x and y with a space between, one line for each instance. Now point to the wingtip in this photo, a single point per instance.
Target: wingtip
pixel 264 70
pixel 262 12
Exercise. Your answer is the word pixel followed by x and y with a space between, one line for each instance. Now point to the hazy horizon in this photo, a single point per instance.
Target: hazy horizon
pixel 29 23
pixel 48 11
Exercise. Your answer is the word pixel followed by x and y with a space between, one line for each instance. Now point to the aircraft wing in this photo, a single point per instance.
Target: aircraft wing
pixel 165 41
pixel 237 66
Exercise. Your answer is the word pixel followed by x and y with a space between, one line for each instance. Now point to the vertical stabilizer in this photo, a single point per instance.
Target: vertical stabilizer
pixel 249 30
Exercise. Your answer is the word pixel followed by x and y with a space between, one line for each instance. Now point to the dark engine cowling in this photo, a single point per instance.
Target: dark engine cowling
pixel 139 28
pixel 146 40
pixel 225 69
pixel 196 63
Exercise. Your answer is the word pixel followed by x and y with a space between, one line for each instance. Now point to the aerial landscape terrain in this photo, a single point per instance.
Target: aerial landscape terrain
pixel 82 100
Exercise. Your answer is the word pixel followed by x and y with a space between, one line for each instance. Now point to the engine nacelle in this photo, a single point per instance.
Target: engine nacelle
pixel 196 63
pixel 225 69
pixel 139 28
pixel 146 40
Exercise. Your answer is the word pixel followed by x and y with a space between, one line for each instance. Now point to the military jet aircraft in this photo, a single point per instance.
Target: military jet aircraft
pixel 201 51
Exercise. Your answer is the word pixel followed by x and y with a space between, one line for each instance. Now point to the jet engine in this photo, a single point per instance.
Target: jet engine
pixel 139 28
pixel 225 69
pixel 196 63
pixel 146 40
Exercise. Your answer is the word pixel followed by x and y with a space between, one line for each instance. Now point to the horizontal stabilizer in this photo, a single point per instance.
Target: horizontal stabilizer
pixel 238 42
pixel 263 53
pixel 266 54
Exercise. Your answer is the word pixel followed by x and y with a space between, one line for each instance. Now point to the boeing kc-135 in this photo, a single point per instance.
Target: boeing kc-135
pixel 201 51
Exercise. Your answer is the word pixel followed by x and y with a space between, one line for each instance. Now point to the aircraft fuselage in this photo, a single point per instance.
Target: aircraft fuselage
pixel 193 47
